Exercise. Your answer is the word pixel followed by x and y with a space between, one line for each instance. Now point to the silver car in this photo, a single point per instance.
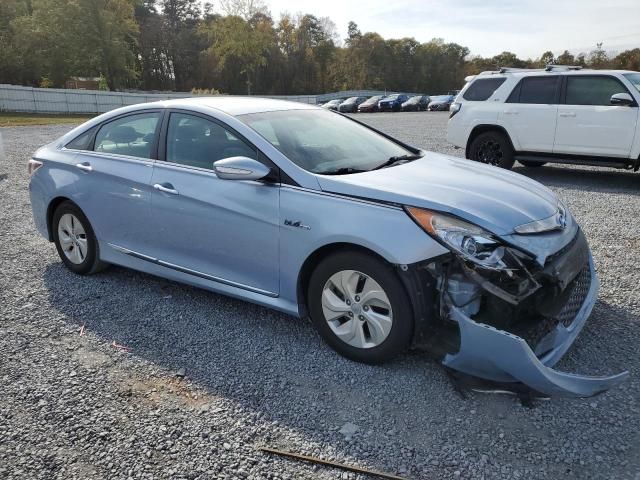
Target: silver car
pixel 384 246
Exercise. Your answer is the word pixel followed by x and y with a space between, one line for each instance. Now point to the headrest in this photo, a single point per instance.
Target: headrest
pixel 123 134
pixel 189 132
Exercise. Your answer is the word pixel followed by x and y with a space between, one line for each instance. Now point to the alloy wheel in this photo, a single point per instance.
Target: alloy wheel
pixel 357 309
pixel 73 238
pixel 490 152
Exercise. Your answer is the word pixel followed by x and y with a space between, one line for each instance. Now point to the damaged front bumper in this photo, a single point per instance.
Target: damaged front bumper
pixel 494 354
pixel 499 355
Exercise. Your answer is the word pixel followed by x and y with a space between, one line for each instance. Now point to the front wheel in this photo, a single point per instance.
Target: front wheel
pixel 492 148
pixel 360 307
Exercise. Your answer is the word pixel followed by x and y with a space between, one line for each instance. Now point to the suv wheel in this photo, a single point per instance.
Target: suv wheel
pixel 492 148
pixel 75 241
pixel 360 308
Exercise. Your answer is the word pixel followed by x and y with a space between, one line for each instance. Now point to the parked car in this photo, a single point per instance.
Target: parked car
pixel 560 114
pixel 440 103
pixel 370 105
pixel 333 104
pixel 351 105
pixel 381 244
pixel 416 104
pixel 392 103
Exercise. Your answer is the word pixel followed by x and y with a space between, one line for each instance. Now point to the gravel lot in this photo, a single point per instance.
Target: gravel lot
pixel 74 406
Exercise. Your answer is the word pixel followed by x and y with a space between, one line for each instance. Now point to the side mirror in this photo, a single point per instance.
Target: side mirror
pixel 622 99
pixel 240 168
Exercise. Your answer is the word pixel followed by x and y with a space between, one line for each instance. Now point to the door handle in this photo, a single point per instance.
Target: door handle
pixel 166 188
pixel 85 166
pixel 567 114
pixel 511 112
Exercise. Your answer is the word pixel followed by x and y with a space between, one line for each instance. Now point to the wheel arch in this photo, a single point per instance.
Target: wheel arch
pixel 479 129
pixel 51 210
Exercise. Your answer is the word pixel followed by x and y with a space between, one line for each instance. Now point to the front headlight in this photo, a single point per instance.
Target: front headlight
pixel 465 239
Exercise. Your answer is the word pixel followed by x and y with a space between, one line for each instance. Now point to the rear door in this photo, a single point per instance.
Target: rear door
pixel 221 230
pixel 587 122
pixel 116 165
pixel 530 112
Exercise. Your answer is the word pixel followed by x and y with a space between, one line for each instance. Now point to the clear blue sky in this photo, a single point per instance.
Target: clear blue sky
pixel 488 27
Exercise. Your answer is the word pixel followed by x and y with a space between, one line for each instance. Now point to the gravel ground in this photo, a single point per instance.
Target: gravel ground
pixel 75 406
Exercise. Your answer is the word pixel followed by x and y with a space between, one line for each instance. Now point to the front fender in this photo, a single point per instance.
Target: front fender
pixel 311 220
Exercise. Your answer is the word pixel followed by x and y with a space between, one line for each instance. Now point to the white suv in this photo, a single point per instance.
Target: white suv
pixel 559 114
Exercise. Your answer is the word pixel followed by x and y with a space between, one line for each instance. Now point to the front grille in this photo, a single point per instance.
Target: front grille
pixel 534 332
pixel 578 295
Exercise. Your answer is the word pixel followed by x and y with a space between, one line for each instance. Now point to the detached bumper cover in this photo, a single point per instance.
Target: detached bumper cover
pixel 500 356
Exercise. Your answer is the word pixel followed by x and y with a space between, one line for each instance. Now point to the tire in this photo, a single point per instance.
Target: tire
pixel 492 148
pixel 531 164
pixel 75 241
pixel 373 337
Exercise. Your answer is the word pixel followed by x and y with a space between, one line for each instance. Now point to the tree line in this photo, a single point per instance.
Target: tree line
pixel 239 48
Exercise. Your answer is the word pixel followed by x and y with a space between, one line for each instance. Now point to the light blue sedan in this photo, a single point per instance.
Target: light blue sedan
pixel 384 246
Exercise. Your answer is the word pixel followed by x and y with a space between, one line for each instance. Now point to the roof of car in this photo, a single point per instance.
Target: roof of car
pixel 237 105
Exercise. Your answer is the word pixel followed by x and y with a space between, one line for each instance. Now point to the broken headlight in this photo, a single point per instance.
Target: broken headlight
pixel 467 240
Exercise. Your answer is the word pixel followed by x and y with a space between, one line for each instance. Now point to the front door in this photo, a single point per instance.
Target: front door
pixel 222 230
pixel 587 122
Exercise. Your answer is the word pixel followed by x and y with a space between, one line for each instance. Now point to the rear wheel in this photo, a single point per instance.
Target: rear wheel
pixel 529 164
pixel 75 240
pixel 492 148
pixel 360 307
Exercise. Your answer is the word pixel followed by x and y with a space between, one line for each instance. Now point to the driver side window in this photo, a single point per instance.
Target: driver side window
pixel 132 135
pixel 198 142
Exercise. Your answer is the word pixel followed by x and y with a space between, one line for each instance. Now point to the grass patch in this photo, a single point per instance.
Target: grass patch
pixel 25 119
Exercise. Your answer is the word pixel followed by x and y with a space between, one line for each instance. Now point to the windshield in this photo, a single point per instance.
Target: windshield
pixel 634 78
pixel 415 99
pixel 392 97
pixel 323 142
pixel 351 100
pixel 441 98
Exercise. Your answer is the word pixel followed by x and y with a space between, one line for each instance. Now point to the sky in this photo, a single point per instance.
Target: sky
pixel 488 27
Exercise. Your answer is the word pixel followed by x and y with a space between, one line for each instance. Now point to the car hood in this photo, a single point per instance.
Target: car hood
pixel 493 198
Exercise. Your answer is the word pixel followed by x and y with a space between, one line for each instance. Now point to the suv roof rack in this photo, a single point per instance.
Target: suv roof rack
pixel 551 67
pixel 515 70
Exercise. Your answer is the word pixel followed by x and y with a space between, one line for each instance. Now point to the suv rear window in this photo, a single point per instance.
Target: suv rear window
pixel 482 89
pixel 536 90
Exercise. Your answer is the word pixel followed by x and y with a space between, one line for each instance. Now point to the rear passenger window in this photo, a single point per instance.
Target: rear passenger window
pixel 132 135
pixel 482 89
pixel 197 142
pixel 536 90
pixel 592 90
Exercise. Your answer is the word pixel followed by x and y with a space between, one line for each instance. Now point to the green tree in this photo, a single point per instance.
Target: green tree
pixel 566 58
pixel 235 46
pixel 547 58
pixel 627 60
pixel 598 58
pixel 183 47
